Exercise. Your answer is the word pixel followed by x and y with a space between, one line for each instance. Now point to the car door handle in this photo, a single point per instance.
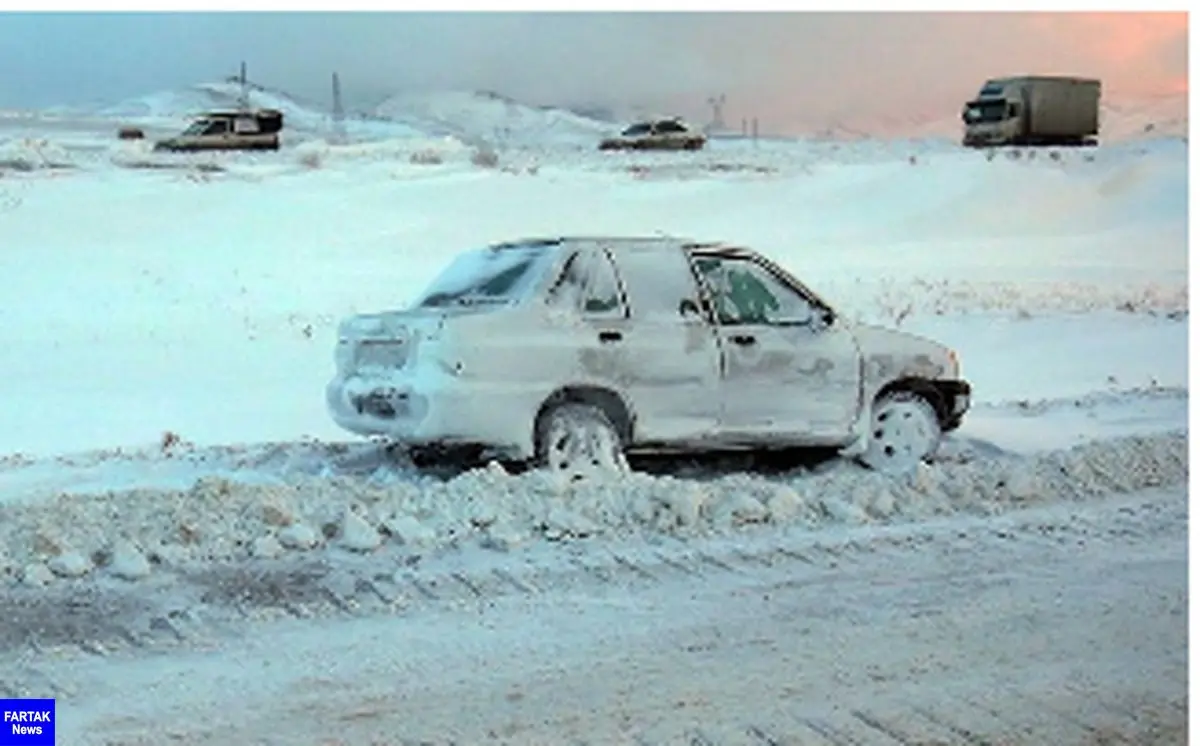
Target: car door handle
pixel 743 339
pixel 610 336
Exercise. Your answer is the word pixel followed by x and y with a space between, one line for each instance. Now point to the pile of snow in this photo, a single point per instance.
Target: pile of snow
pixel 484 117
pixel 218 519
pixel 417 151
pixel 33 154
pixel 317 153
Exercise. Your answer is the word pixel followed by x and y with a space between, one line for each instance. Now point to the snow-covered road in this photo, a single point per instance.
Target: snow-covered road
pixel 191 552
pixel 1064 625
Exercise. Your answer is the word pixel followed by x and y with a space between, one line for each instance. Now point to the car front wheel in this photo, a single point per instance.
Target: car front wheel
pixel 577 439
pixel 904 431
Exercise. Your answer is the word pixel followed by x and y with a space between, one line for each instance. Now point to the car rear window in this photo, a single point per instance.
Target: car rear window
pixel 489 276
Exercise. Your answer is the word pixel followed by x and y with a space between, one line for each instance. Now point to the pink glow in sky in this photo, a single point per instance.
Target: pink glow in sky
pixel 788 69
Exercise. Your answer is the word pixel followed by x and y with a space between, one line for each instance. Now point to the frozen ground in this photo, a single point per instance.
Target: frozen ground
pixel 178 516
pixel 1065 625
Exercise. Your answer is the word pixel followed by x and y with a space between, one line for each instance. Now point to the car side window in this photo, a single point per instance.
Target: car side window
pixel 218 127
pixel 245 126
pixel 659 284
pixel 670 127
pixel 602 293
pixel 745 292
pixel 589 284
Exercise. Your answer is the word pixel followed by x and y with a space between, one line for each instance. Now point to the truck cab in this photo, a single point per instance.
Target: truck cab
pixel 993 117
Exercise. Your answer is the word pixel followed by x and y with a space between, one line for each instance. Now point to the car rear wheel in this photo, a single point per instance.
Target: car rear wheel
pixel 904 431
pixel 578 439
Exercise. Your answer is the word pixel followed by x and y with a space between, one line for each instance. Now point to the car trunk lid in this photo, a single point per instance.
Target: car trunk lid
pixel 385 341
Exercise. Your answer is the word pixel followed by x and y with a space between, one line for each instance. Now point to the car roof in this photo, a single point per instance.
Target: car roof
pixel 239 113
pixel 619 242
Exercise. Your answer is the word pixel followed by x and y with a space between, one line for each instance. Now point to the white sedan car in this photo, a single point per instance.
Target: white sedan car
pixel 572 352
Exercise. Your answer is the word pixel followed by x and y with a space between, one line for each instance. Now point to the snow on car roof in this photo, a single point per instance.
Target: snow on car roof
pixel 558 240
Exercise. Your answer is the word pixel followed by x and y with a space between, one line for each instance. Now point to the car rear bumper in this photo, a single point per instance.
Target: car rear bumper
pixel 414 415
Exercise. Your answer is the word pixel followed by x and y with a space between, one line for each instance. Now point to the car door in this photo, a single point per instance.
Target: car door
pixel 590 290
pixel 671 349
pixel 671 134
pixel 789 369
pixel 216 136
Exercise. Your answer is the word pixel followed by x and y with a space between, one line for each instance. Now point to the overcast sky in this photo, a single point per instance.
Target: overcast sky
pixel 784 68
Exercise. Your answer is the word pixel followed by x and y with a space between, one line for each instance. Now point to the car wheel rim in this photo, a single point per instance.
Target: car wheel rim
pixel 901 435
pixel 577 445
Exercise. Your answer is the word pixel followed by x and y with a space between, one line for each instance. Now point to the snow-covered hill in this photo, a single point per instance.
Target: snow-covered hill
pixel 305 117
pixel 485 117
pixel 468 116
pixel 489 117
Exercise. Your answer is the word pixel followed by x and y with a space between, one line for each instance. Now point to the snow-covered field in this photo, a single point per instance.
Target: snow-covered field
pixel 170 481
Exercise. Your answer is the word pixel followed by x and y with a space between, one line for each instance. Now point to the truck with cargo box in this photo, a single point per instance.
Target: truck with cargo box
pixel 1033 111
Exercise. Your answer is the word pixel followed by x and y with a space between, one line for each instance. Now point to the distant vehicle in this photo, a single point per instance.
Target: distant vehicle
pixel 228 130
pixel 1033 110
pixel 130 133
pixel 570 352
pixel 660 134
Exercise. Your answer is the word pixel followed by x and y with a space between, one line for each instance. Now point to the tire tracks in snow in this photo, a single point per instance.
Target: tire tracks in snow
pixel 189 607
pixel 893 587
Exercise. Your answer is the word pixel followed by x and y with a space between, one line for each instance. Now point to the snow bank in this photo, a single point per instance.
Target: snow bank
pixel 1146 118
pixel 33 154
pixel 139 154
pixel 421 151
pixel 891 301
pixel 218 519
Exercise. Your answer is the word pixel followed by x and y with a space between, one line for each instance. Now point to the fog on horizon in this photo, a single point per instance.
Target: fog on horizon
pixel 787 69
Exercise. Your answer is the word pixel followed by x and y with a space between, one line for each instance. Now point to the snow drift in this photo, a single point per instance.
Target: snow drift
pixel 217 519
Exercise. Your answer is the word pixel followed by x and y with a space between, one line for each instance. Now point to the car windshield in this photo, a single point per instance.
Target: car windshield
pixel 985 111
pixel 197 127
pixel 488 276
pixel 636 129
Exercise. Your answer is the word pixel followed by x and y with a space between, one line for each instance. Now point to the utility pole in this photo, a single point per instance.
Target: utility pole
pixel 339 113
pixel 244 101
pixel 718 118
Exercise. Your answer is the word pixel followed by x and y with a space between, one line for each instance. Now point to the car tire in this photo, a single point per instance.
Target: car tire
pixel 576 440
pixel 904 431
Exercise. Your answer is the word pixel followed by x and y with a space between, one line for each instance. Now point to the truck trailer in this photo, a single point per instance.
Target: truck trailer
pixel 1033 110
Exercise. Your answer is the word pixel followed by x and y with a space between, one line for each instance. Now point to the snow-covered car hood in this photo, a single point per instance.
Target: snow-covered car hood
pixel 891 353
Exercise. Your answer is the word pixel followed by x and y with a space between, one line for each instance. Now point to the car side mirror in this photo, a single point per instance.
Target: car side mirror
pixel 819 319
pixel 689 307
